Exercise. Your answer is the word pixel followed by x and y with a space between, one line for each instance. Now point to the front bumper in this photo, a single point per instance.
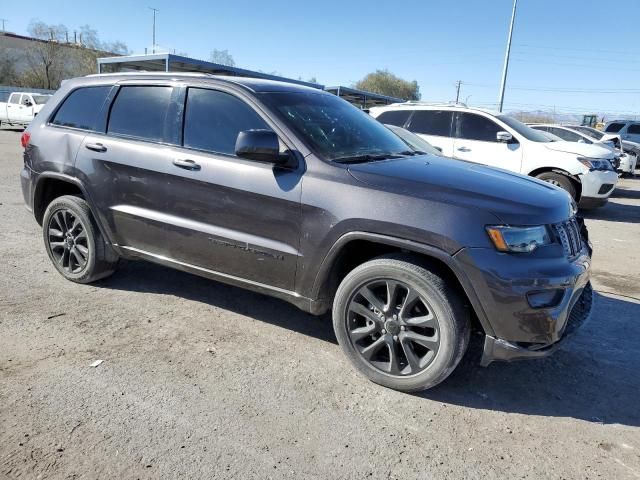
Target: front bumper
pixel 628 164
pixel 503 283
pixel 597 185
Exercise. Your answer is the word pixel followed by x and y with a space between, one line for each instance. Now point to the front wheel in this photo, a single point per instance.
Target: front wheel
pixel 559 180
pixel 400 324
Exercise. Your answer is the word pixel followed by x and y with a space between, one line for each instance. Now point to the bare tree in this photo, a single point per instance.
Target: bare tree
pixel 222 57
pixel 45 58
pixel 8 74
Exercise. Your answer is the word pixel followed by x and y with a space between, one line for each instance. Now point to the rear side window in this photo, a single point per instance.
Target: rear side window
pixel 80 109
pixel 432 122
pixel 213 120
pixel 614 127
pixel 394 117
pixel 566 135
pixel 476 127
pixel 634 128
pixel 140 112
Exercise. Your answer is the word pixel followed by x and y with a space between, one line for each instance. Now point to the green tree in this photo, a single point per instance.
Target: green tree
pixel 386 83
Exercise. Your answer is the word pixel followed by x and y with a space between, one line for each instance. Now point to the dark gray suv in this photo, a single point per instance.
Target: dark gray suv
pixel 294 193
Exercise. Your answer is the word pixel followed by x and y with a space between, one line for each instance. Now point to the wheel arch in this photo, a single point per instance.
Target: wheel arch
pixel 573 178
pixel 355 248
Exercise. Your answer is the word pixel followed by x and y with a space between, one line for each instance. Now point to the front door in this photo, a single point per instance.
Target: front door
pixel 476 141
pixel 229 215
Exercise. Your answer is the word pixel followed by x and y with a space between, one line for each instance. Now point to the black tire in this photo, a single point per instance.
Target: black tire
pixel 448 334
pixel 559 180
pixel 74 243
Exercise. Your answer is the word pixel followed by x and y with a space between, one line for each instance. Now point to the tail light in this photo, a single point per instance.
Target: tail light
pixel 24 139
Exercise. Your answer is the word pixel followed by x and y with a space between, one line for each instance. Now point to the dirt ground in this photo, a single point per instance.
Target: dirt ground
pixel 203 380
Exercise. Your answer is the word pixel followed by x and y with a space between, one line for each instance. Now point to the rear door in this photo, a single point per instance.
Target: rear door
pixel 435 126
pixel 126 162
pixel 230 215
pixel 476 141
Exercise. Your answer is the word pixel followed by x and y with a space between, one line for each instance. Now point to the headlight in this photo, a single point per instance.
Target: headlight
pixel 594 164
pixel 518 239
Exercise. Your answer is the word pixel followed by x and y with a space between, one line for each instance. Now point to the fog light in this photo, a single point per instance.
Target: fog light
pixel 545 298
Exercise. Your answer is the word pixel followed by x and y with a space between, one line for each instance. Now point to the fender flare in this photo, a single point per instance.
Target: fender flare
pixel 410 246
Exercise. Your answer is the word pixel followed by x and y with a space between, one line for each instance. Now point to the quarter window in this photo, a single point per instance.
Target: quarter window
pixel 634 128
pixel 214 119
pixel 140 112
pixel 432 122
pixel 476 127
pixel 394 117
pixel 80 109
pixel 614 127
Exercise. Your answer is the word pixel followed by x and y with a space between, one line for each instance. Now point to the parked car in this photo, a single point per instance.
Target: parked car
pixel 418 144
pixel 21 107
pixel 295 193
pixel 498 140
pixel 623 163
pixel 627 129
pixel 629 147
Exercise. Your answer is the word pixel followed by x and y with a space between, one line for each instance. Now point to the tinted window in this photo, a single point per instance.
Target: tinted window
pixel 635 128
pixel 432 122
pixel 394 117
pixel 525 130
pixel 614 127
pixel 214 119
pixel 475 127
pixel 566 134
pixel 14 98
pixel 140 112
pixel 80 109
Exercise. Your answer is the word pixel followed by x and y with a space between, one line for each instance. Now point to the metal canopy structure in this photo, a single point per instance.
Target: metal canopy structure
pixel 168 62
pixel 362 98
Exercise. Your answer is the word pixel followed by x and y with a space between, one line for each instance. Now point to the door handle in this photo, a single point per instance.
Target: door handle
pixel 96 147
pixel 464 149
pixel 186 164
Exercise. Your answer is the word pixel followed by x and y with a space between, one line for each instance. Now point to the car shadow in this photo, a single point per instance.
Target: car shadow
pixel 593 377
pixel 614 211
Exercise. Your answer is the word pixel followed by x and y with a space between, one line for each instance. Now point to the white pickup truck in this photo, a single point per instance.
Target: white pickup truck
pixel 21 107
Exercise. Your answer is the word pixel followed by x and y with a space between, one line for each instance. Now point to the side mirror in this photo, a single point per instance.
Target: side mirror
pixel 27 103
pixel 581 141
pixel 260 145
pixel 438 148
pixel 504 137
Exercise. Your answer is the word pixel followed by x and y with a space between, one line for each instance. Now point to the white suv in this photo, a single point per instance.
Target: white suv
pixel 491 138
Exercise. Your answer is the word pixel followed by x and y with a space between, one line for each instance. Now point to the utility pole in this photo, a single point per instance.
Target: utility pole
pixel 3 20
pixel 153 47
pixel 506 57
pixel 458 85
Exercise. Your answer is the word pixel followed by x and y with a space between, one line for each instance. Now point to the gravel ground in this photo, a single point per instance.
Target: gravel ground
pixel 203 380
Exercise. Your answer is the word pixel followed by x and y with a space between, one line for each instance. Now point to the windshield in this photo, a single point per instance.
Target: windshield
pixel 524 130
pixel 41 99
pixel 333 128
pixel 591 132
pixel 414 141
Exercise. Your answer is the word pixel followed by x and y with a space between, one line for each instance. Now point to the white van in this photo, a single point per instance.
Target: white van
pixel 495 139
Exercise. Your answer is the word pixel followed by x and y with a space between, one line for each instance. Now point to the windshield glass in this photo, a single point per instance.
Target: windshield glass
pixel 591 132
pixel 524 130
pixel 41 99
pixel 414 141
pixel 333 128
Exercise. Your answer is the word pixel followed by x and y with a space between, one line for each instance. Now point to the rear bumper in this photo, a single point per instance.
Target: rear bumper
pixel 27 177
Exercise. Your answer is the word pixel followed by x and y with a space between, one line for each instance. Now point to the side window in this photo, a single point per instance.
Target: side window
pixel 80 109
pixel 566 134
pixel 477 127
pixel 140 112
pixel 614 127
pixel 213 120
pixel 14 98
pixel 634 128
pixel 26 100
pixel 394 117
pixel 432 122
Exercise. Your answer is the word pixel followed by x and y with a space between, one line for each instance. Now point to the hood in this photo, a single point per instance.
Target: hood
pixel 515 199
pixel 584 149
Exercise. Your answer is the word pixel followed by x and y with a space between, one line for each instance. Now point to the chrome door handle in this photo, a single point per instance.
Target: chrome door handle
pixel 464 149
pixel 96 147
pixel 186 164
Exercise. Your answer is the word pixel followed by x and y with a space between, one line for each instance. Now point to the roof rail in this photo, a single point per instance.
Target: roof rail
pixel 151 72
pixel 431 104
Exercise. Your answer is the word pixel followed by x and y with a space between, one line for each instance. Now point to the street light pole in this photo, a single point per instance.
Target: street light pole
pixel 506 57
pixel 153 47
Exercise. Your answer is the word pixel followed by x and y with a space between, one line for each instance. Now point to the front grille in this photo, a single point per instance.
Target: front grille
pixel 569 235
pixel 605 188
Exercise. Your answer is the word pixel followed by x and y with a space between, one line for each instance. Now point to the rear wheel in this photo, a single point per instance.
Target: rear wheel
pixel 74 242
pixel 559 180
pixel 400 324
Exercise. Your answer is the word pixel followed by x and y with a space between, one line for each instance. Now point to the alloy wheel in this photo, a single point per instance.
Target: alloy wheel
pixel 68 242
pixel 393 327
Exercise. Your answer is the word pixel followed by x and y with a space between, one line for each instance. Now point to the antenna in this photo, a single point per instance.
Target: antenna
pixel 155 10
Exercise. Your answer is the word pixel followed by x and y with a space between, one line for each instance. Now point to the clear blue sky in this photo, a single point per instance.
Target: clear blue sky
pixel 577 55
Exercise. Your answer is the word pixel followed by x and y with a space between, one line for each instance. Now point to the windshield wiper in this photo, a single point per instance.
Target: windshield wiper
pixel 366 157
